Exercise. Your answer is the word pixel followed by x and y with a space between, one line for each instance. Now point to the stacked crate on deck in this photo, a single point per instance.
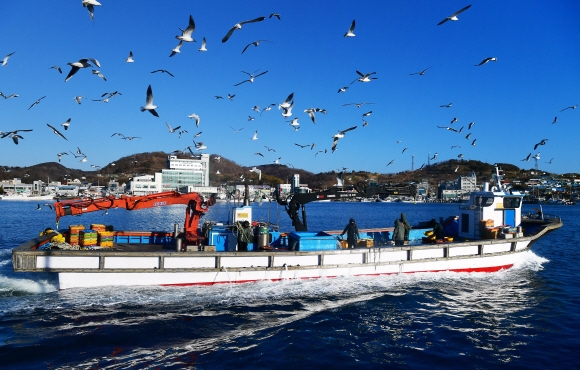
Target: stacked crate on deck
pixel 74 234
pixel 105 238
pixel 88 238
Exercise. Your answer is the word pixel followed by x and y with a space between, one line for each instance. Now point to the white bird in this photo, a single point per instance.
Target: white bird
pixel 256 108
pixel 231 97
pixel 527 158
pixel 56 132
pixel 358 105
pixel 473 142
pixel 83 63
pixel 59 155
pixel 277 161
pixel 255 43
pixel 250 118
pixel 555 120
pixel 90 4
pixel 176 50
pixel 454 120
pixel 448 128
pixel 343 89
pixel 172 130
pixel 269 107
pixel 217 158
pixel 491 59
pixel 287 111
pixel 98 73
pixel 36 102
pixel 350 32
pixel 186 34
pixel 570 107
pixel 286 102
pixel 550 162
pixel 367 113
pixel 537 156
pixel 9 96
pixel 258 153
pixel 149 103
pixel 203 45
pixel 470 125
pixel 341 133
pixel 255 136
pixel 57 68
pixel 456 168
pixel 542 142
pixel 238 26
pixel 453 17
pixel 163 71
pixel 460 156
pixel 446 105
pixel 5 60
pixel 434 156
pixel 66 124
pixel 199 145
pixel 252 77
pixel 196 118
pixel 270 149
pixel 364 77
pixel 236 130
pixel 391 162
pixel 311 112
pixel 130 58
pixel 181 132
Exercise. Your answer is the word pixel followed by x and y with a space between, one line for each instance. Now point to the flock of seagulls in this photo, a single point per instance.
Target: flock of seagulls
pixel 285 108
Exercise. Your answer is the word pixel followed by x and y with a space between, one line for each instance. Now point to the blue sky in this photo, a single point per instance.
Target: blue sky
pixel 512 101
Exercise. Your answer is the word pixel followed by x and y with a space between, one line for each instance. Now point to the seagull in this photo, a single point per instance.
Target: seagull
pixel 350 32
pixel 456 168
pixel 287 111
pixel 343 89
pixel 555 120
pixel 231 97
pixel 218 97
pixel 250 118
pixel 455 146
pixel 468 136
pixel 461 129
pixel 59 155
pixel 252 77
pixel 473 142
pixel 56 132
pixel 341 133
pixel 391 162
pixel 537 156
pixel 448 128
pixel 419 73
pixel 255 136
pixel 256 108
pixel 5 60
pixel 36 102
pixel 90 4
pixel 550 162
pixel 470 125
pixel 365 123
pixel 434 156
pixel 286 102
pixel 571 107
pixel 358 105
pixel 66 124
pixel 269 107
pixel 83 63
pixel 98 73
pixel 57 68
pixel 311 112
pixel 10 133
pixel 130 58
pixel 176 50
pixel 255 43
pixel 364 77
pixel 258 153
pixel 404 150
pixel 15 138
pixel 217 172
pixel 131 137
pixel 320 151
pixel 172 130
pixel 203 45
pixel 302 146
pixel 199 145
pixel 236 130
pixel 238 26
pixel 490 59
pixel 542 142
pixel 78 99
pixel 217 158
pixel 9 96
pixel 275 15
pixel 181 132
pixel 163 71
pixel 453 17
pixel 277 161
pixel 103 100
pixel 195 117
pixel 527 158
pixel 460 156
pixel 186 34
pixel 149 103
pixel 334 144
pixel 367 113
pixel 270 149
pixel 446 105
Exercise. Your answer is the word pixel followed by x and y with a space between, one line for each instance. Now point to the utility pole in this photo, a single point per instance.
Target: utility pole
pixel 413 162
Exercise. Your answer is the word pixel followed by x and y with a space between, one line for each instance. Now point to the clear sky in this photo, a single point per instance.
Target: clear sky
pixel 513 101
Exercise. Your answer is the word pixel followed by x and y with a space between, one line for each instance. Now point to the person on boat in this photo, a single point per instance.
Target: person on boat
pixel 352 235
pixel 399 232
pixel 437 229
pixel 244 236
pixel 406 225
pixel 538 213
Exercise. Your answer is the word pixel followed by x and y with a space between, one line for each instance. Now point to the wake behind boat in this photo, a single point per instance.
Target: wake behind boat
pixel 488 234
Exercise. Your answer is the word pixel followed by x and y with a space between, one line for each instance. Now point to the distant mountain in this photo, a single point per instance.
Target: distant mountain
pixel 230 172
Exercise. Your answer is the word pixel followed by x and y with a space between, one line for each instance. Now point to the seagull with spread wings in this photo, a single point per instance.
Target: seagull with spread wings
pixel 238 26
pixel 83 63
pixel 149 103
pixel 255 43
pixel 419 73
pixel 350 32
pixel 252 77
pixel 453 17
pixel 163 71
pixel 56 132
pixel 186 34
pixel 36 102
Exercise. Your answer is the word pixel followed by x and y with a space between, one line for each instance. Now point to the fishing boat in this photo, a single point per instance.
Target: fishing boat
pixel 488 233
pixel 27 197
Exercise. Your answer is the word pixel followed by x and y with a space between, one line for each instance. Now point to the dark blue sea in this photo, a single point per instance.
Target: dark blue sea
pixel 524 318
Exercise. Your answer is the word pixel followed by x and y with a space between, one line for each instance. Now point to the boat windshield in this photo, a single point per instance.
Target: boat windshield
pixel 512 202
pixel 482 201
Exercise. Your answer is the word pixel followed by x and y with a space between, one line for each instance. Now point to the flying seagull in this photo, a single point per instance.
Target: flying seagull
pixel 236 130
pixel 176 49
pixel 163 71
pixel 448 128
pixel 231 97
pixel 203 45
pixel 390 163
pixel 255 136
pixel 98 73
pixel 286 102
pixel 350 32
pixel 341 133
pixel 419 73
pixel 542 142
pixel 446 105
pixel 90 5
pixel 364 77
pixel 130 58
pixel 343 89
pixel 186 34
pixel 555 120
pixel 252 77
pixel 358 105
pixel 255 43
pixel 470 125
pixel 571 107
pixel 275 15
pixel 490 59
pixel 453 17
pixel 57 68
pixel 66 124
pixel 238 26
pixel 36 102
pixel 9 96
pixel 171 129
pixel 269 149
pixel 149 103
pixel 181 132
pixel 527 158
pixel 5 60
pixel 56 132
pixel 83 63
pixel 195 117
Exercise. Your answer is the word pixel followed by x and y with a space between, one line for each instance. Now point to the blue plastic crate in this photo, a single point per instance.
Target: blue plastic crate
pixel 311 241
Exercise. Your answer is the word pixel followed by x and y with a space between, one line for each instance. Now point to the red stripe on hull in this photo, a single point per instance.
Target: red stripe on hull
pixel 478 269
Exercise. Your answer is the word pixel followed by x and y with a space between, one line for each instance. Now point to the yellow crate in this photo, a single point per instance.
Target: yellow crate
pixel 106 244
pixel 365 243
pixel 209 248
pixel 343 244
pixel 98 227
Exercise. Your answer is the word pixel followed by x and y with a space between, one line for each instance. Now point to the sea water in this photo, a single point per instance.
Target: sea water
pixel 524 317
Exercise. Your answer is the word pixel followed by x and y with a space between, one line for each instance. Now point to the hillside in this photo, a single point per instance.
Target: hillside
pixel 230 172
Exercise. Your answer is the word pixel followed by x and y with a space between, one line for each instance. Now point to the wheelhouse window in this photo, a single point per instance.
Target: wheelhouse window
pixel 512 202
pixel 483 201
